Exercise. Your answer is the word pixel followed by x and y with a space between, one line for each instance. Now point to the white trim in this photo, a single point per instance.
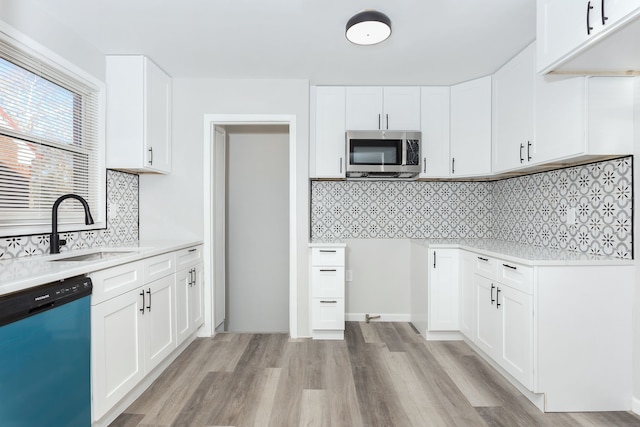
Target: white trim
pixel 211 120
pixel 635 405
pixel 384 317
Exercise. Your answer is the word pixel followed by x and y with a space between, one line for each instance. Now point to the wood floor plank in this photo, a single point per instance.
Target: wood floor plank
pixel 390 336
pixel 265 403
pixel 315 410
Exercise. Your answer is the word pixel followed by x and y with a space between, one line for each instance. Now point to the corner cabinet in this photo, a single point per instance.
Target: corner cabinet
pixel 327 153
pixel 383 108
pixel 138 115
pixel 327 291
pixel 471 128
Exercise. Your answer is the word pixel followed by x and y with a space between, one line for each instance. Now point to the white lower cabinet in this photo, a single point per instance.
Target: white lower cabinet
pixel 141 312
pixel 443 290
pixel 327 291
pixel 516 331
pixel 487 336
pixel 467 298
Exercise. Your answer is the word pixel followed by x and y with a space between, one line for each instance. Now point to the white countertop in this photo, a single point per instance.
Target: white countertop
pixel 524 254
pixel 21 273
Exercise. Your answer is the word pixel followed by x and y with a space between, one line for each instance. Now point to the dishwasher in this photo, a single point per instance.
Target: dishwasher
pixel 45 347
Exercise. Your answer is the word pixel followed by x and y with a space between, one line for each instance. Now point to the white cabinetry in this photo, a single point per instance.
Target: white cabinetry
pixel 189 292
pixel 443 290
pixel 327 292
pixel 467 298
pixel 138 115
pixel 132 327
pixel 388 108
pixel 434 110
pixel 512 103
pixel 471 128
pixel 328 129
pixel 575 35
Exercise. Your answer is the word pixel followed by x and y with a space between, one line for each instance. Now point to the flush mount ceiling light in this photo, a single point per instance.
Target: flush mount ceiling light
pixel 368 27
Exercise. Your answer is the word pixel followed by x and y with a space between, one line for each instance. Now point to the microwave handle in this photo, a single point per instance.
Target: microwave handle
pixel 341 165
pixel 379 124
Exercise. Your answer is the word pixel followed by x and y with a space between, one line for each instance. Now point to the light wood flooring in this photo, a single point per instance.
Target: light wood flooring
pixel 382 374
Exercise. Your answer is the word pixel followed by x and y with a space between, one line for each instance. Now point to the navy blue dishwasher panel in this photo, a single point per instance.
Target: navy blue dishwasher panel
pixel 45 368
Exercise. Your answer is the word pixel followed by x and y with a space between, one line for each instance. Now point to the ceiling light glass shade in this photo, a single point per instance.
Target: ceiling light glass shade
pixel 368 27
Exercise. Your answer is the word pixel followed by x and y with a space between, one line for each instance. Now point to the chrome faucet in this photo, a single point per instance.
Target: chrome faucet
pixel 56 242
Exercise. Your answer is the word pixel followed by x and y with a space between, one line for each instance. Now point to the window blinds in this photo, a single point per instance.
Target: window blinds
pixel 49 144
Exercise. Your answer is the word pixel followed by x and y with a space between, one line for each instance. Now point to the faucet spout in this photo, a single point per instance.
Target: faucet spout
pixel 55 240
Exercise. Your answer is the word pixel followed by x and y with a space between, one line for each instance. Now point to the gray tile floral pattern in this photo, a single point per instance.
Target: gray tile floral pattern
pixel 122 223
pixel 531 209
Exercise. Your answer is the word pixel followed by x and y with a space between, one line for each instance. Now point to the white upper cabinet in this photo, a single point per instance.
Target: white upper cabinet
pixel 327 132
pixel 471 128
pixel 138 115
pixel 435 132
pixel 587 35
pixel 512 103
pixel 388 108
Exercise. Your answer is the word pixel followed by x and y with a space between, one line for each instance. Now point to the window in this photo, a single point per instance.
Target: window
pixel 50 145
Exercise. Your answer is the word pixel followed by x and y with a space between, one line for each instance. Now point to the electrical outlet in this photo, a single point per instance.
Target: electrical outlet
pixel 349 276
pixel 571 216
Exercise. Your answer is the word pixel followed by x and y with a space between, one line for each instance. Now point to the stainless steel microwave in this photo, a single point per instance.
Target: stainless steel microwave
pixel 383 154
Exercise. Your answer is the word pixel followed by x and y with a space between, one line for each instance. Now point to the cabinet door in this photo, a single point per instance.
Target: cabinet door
pixel 471 128
pixel 516 312
pixel 328 133
pixel 435 132
pixel 487 335
pixel 327 313
pixel 327 281
pixel 159 322
pixel 443 290
pixel 560 117
pixel 117 352
pixel 364 108
pixel 158 118
pixel 467 297
pixel 196 299
pixel 512 104
pixel 401 108
pixel 183 288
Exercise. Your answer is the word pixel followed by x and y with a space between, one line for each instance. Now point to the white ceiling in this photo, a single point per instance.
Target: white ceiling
pixel 434 42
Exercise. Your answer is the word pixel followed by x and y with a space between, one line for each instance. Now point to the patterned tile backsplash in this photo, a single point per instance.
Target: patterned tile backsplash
pixel 532 209
pixel 122 223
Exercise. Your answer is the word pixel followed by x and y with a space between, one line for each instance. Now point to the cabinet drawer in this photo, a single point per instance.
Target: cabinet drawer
pixel 327 313
pixel 485 266
pixel 327 282
pixel 517 276
pixel 327 257
pixel 115 281
pixel 159 266
pixel 188 257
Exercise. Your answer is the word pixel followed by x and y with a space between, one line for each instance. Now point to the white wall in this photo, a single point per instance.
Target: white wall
pixel 381 279
pixel 257 228
pixel 636 253
pixel 28 18
pixel 171 206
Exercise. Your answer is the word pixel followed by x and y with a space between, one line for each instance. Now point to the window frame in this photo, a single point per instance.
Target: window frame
pixel 31 49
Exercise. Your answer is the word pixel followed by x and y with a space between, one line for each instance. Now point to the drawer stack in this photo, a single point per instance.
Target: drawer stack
pixel 327 292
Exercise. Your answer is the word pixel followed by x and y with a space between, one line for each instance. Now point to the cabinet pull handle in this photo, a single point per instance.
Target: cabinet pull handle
pixel 379 124
pixel 483 259
pixel 332 251
pixel 328 302
pixel 424 162
pixel 434 259
pixel 151 155
pixel 521 158
pixel 149 306
pixel 510 266
pixel 142 309
pixel 528 151
pixel 191 276
pixel 387 121
pixel 453 165
pixel 328 270
pixel 498 298
pixel 604 17
pixel 492 288
pixel 193 249
pixel 589 27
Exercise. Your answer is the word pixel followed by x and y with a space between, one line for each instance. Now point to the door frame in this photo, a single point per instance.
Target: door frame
pixel 210 122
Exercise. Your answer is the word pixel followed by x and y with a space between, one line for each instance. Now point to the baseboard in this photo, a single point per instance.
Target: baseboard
pixel 444 336
pixel 384 317
pixel 635 405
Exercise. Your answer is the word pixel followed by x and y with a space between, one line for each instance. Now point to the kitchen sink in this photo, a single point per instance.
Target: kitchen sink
pixel 93 256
